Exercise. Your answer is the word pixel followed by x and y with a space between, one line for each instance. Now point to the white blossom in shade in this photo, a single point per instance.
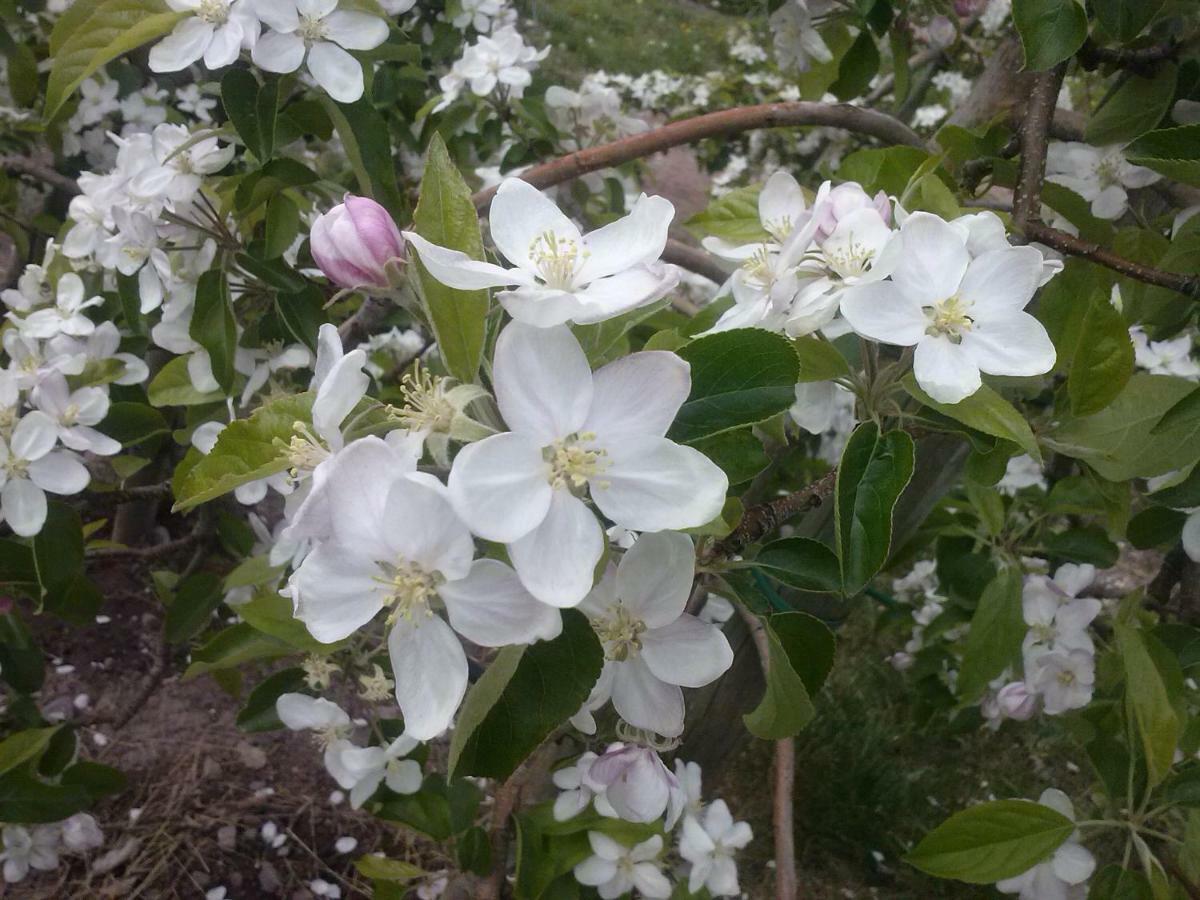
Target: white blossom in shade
pixel 1100 175
pixel 1063 678
pixel 300 712
pixel 477 14
pixel 102 344
pixel 716 610
pixel 76 413
pixel 80 833
pixel 652 647
pixel 986 231
pixel 65 316
pixel 817 404
pixel 1055 616
pixel 1061 877
pixel 691 780
pixel 561 275
pixel 28 848
pixel 1022 472
pixel 268 361
pixel 361 770
pixel 709 844
pixel 33 287
pixel 964 316
pixel 1170 357
pixel 637 786
pixel 317 33
pixel 615 869
pixel 576 786
pixel 576 433
pixel 499 60
pixel 394 542
pixel 29 361
pixel 782 210
pixel 798 44
pixel 135 248
pixel 180 162
pixel 29 467
pixel 216 31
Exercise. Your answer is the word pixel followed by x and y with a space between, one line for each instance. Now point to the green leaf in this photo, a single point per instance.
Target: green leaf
pixel 739 453
pixel 25 799
pixel 856 68
pixel 991 841
pixel 246 450
pixel 94 36
pixel 367 140
pixel 272 614
pixel 19 748
pixel 1118 441
pixel 1115 883
pixel 214 327
pixel 281 226
pixel 820 360
pixel 882 169
pixel 233 647
pixel 258 187
pixel 1123 19
pixel 605 341
pixel 1103 359
pixel 132 423
pixel 1133 108
pixel 1156 527
pixel 997 630
pixel 192 607
pixel 58 550
pixel 172 386
pixel 1050 30
pixel 446 216
pixel 1185 413
pixel 1181 495
pixel 985 411
pixel 732 217
pixel 874 470
pixel 1083 545
pixel 380 868
pixel 266 111
pixel 1148 702
pixel 739 378
pixel 801 563
pixel 239 97
pixel 258 713
pixel 1174 152
pixel 440 809
pixel 20 657
pixel 786 708
pixel 523 696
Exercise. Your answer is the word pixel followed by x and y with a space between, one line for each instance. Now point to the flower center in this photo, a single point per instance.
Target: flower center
pixel 410 588
pixel 425 403
pixel 573 463
pixel 1043 632
pixel 620 633
pixel 848 261
pixel 318 671
pixel 758 267
pixel 779 228
pixel 556 258
pixel 949 318
pixel 16 467
pixel 1107 170
pixel 214 12
pixel 376 687
pixel 1066 678
pixel 70 414
pixel 305 450
pixel 311 29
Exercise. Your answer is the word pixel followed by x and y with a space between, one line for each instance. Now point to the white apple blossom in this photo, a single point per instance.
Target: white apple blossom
pixel 1022 471
pixel 1064 875
pixel 1063 678
pixel 216 31
pixel 576 786
pixel 1100 175
pixel 501 59
pixel 652 647
pixel 80 833
pixel 75 413
pixel 394 542
pixel 316 32
pixel 102 344
pixel 575 433
pixel 615 869
pixel 477 14
pixel 1053 612
pixel 798 44
pixel 637 786
pixel 65 316
pixel 562 275
pixel 29 467
pixel 269 360
pixel 28 848
pixel 964 315
pixel 1169 357
pixel 361 770
pixel 709 843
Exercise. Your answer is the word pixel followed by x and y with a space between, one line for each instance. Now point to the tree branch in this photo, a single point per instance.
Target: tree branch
pixel 784 770
pixel 39 169
pixel 759 521
pixel 1141 60
pixel 1034 135
pixel 723 123
pixel 694 260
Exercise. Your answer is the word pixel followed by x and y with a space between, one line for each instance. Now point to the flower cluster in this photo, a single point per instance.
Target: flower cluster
pixel 1064 875
pixel 500 60
pixel 39 847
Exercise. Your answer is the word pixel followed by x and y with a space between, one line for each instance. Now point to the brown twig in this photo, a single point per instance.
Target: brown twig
pixel 154 551
pixel 1141 60
pixel 784 770
pixel 759 521
pixel 694 260
pixel 139 492
pixel 723 123
pixel 1034 135
pixel 39 169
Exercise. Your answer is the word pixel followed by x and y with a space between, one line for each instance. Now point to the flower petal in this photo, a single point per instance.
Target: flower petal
pixel 557 560
pixel 653 484
pixel 882 312
pixel 945 370
pixel 431 674
pixel 520 216
pixel 335 592
pixel 624 291
pixel 59 472
pixel 182 47
pixel 355 30
pixel 654 577
pixel 629 241
pixel 1000 281
pixel 638 394
pixel 24 506
pixel 646 701
pixel 278 52
pixel 687 652
pixel 1012 344
pixel 499 487
pixel 491 608
pixel 34 437
pixel 543 381
pixel 455 269
pixel 933 259
pixel 335 70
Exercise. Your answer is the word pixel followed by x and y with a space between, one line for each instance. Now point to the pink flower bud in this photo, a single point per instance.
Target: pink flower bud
pixel 1016 701
pixel 354 242
pixel 845 199
pixel 637 784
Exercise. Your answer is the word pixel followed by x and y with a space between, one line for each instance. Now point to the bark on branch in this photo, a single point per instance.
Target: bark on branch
pixel 759 521
pixel 43 171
